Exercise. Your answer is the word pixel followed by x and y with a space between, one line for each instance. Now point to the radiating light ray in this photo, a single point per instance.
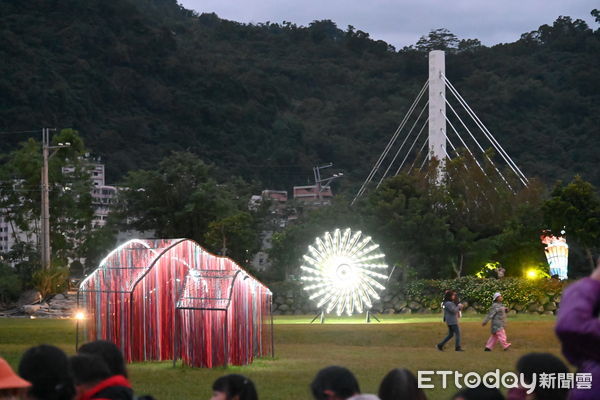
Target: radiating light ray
pixel 343 271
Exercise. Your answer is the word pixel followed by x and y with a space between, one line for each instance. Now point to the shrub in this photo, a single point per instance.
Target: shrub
pixel 51 281
pixel 10 284
pixel 479 291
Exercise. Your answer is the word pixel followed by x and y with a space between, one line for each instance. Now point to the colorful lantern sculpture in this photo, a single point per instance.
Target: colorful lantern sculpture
pixel 170 299
pixel 343 271
pixel 557 253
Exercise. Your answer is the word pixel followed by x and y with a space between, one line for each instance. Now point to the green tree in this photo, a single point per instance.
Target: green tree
pixel 438 39
pixel 235 236
pixel 10 284
pixel 71 210
pixel 576 208
pixel 398 213
pixel 183 198
pixel 177 199
pixel 454 225
pixel 519 246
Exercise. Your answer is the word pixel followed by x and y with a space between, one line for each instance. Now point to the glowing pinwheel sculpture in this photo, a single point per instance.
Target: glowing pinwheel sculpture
pixel 344 271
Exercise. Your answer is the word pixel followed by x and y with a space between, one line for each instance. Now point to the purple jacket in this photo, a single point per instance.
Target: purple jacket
pixel 578 329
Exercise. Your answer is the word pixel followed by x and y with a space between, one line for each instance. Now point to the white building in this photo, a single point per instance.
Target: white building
pixel 10 235
pixel 103 197
pixel 278 216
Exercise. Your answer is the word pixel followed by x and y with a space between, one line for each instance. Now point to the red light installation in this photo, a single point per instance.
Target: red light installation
pixel 170 299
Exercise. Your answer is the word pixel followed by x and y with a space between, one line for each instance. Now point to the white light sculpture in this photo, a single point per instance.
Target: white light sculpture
pixel 557 254
pixel 343 271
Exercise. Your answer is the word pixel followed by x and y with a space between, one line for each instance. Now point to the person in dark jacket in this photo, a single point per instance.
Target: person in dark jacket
pixel 94 380
pixel 451 315
pixel 578 329
pixel 47 369
pixel 109 352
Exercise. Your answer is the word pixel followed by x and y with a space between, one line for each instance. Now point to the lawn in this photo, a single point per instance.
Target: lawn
pixel 369 350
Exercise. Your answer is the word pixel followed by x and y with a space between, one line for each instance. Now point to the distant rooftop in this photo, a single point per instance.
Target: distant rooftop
pixel 279 195
pixel 311 192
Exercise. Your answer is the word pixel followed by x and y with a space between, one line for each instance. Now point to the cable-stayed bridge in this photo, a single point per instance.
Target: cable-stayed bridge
pixel 451 125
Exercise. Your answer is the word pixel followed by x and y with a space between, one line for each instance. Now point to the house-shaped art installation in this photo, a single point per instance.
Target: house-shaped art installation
pixel 170 299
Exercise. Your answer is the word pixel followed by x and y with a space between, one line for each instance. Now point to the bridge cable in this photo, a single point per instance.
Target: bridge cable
pixel 487 133
pixel 402 144
pixel 390 144
pixel 419 152
pixel 411 147
pixel 478 145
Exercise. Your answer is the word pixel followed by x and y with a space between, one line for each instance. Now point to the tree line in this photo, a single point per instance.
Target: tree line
pixel 432 227
pixel 192 113
pixel 428 225
pixel 266 102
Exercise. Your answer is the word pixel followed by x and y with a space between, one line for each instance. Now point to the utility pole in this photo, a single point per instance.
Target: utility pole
pixel 46 155
pixel 322 184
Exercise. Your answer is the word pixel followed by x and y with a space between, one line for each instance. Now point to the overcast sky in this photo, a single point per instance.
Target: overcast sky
pixel 402 22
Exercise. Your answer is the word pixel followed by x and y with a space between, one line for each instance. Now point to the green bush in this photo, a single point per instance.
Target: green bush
pixel 10 284
pixel 51 281
pixel 479 292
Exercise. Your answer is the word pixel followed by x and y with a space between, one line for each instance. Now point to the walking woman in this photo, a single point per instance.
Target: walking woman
pixel 497 315
pixel 451 314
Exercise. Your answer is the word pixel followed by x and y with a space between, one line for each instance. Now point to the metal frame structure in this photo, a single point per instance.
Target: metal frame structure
pixel 169 299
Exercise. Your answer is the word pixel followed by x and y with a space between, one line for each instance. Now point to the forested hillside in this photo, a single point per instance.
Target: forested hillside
pixel 140 78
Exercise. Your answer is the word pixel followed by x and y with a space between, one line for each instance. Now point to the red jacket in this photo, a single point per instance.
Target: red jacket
pixel 114 388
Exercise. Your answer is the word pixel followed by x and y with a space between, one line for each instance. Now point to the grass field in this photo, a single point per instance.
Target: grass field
pixel 369 350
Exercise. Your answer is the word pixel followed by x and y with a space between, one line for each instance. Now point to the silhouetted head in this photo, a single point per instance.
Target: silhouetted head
pixel 400 383
pixel 88 369
pixel 234 387
pixel 537 363
pixel 334 382
pixel 109 352
pixel 47 368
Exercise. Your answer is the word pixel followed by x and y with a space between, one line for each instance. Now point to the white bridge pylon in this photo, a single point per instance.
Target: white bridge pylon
pixel 440 142
pixel 437 105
